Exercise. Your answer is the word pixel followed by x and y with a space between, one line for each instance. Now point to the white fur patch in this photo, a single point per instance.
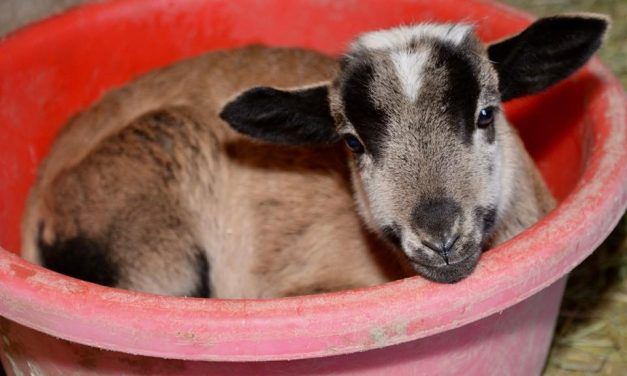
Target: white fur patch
pixel 403 35
pixel 409 66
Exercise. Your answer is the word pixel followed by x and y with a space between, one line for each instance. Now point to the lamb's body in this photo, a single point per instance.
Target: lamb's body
pixel 151 190
pixel 152 179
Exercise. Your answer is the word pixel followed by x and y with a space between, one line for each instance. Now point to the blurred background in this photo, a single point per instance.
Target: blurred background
pixel 591 334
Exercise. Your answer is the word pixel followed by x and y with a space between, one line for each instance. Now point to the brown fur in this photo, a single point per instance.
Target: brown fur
pixel 151 168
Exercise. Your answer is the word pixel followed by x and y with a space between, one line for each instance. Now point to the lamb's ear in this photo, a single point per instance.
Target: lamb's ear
pixel 546 52
pixel 294 117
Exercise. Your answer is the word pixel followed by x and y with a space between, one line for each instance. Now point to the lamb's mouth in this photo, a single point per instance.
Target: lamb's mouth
pixel 448 273
pixel 418 262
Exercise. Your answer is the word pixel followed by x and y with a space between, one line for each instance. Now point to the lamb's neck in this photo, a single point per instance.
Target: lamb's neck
pixel 525 198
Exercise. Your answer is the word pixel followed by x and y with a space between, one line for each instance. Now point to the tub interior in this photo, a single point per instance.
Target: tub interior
pixel 45 78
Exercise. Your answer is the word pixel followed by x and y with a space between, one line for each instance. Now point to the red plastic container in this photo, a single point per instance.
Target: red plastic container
pixel 498 321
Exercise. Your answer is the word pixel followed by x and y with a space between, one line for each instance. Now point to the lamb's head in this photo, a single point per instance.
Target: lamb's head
pixel 419 107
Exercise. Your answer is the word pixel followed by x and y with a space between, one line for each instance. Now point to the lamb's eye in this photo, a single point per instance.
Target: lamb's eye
pixel 353 144
pixel 486 117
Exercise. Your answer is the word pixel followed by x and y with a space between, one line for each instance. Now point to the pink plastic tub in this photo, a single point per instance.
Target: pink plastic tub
pixel 498 321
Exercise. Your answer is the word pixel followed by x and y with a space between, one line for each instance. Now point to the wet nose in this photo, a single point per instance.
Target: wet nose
pixel 442 246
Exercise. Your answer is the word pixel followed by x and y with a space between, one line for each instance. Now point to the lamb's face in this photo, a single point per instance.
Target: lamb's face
pixel 418 107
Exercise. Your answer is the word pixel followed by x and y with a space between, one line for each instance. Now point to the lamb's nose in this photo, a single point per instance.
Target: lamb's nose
pixel 443 246
pixel 436 216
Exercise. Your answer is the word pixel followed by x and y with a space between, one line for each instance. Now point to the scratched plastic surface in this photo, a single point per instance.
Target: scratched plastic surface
pixel 489 322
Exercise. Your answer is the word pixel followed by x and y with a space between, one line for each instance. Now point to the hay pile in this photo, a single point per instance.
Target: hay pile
pixel 591 336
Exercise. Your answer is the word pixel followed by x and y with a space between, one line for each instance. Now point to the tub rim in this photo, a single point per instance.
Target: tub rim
pixel 336 323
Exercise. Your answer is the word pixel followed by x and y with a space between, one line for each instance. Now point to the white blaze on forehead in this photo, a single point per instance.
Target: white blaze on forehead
pixel 409 66
pixel 402 36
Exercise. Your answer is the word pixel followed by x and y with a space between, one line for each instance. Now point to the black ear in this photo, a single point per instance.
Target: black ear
pixel 287 117
pixel 546 52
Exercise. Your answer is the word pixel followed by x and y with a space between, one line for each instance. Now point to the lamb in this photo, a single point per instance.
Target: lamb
pixel 163 186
